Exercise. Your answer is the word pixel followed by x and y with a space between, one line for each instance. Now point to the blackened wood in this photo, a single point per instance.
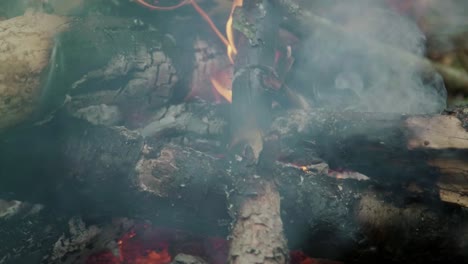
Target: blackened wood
pixel 74 166
pixel 98 171
pixel 69 162
pixel 251 103
pixel 114 61
pixel 258 235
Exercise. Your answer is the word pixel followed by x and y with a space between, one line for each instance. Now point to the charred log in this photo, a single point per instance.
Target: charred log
pixel 76 167
pixel 391 149
pixel 91 60
pixel 257 236
pixel 154 180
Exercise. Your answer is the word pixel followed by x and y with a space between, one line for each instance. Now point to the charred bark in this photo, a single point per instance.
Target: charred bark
pixel 76 167
pixel 257 236
pixel 390 149
pixel 91 60
pixel 111 171
pixel 367 143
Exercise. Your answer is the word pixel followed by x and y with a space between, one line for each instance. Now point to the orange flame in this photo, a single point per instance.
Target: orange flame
pixel 231 48
pixel 220 83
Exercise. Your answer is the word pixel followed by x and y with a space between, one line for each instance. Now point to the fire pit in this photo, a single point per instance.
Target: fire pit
pixel 302 133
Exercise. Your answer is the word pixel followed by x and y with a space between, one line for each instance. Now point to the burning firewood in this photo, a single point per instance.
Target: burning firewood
pixel 114 170
pixel 258 235
pixel 351 178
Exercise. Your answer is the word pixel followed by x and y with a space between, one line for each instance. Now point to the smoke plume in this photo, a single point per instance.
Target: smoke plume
pixel 344 74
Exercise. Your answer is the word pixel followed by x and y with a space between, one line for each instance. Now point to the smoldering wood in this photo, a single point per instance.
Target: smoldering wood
pixel 370 143
pixel 114 61
pixel 31 231
pixel 388 148
pixel 257 235
pixel 94 60
pixel 76 168
pixel 153 168
pixel 112 171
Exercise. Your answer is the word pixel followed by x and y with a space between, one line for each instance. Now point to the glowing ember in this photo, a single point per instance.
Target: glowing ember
pixel 298 257
pixel 144 244
pixel 133 249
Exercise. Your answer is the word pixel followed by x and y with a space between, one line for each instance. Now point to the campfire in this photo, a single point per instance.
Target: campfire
pixel 241 132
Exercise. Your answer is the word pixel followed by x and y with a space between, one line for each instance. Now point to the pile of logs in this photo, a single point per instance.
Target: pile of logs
pixel 124 144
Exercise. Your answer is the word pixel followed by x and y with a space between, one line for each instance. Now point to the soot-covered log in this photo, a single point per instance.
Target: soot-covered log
pixel 91 58
pixel 112 171
pixel 77 167
pixel 71 164
pixel 390 148
pixel 98 64
pixel 257 236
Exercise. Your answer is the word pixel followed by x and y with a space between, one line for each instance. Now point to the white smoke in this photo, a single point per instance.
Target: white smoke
pixel 345 74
